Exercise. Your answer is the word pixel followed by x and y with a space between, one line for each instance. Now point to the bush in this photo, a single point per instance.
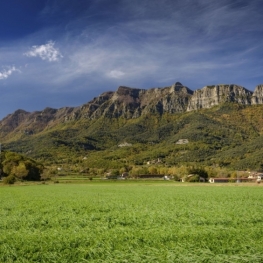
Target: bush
pixel 198 171
pixel 115 172
pixel 10 179
pixel 20 167
pixel 177 177
pixel 194 178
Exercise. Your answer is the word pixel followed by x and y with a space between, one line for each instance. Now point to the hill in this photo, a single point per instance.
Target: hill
pixel 218 125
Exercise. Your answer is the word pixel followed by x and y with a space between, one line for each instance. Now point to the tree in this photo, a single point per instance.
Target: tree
pixel 152 170
pixel 115 172
pixel 10 179
pixel 20 171
pixel 45 175
pixel 198 171
pixel 21 167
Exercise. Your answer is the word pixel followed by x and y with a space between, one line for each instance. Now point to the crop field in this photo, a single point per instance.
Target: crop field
pixel 131 222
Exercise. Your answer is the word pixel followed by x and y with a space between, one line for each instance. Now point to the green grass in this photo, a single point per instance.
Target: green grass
pixel 131 222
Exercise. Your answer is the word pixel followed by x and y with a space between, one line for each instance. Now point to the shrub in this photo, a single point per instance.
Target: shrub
pixel 192 179
pixel 21 167
pixel 198 171
pixel 10 179
pixel 115 172
pixel 176 177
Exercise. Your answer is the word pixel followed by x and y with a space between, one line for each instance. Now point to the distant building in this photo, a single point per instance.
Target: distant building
pixel 125 144
pixel 231 180
pixel 154 161
pixel 182 141
pixel 255 175
pixel 219 180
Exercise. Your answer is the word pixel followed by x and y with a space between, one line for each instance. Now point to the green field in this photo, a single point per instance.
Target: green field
pixel 131 222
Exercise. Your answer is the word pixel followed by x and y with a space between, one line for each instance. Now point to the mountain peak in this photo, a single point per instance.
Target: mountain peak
pixel 179 87
pixel 178 84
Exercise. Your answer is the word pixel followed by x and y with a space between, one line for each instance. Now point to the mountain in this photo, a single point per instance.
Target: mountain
pixel 210 96
pixel 218 121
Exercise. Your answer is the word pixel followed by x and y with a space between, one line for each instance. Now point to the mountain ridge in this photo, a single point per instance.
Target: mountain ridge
pixel 221 123
pixel 218 121
pixel 132 102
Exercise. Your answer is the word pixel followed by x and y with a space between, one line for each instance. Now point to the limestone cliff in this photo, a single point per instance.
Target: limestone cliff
pixel 130 103
pixel 172 99
pixel 257 97
pixel 210 96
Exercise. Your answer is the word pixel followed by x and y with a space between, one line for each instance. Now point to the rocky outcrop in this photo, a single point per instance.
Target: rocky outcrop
pixel 257 97
pixel 172 99
pixel 210 96
pixel 88 109
pixel 130 103
pixel 12 121
pixel 124 102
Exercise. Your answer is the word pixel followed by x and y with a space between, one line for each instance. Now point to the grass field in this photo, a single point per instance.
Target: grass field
pixel 131 222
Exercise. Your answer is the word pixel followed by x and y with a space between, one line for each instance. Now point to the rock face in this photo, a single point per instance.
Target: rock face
pixel 11 121
pixel 87 110
pixel 172 99
pixel 210 96
pixel 130 103
pixel 257 97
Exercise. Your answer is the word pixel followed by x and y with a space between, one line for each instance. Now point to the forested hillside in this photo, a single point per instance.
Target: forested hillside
pixel 227 135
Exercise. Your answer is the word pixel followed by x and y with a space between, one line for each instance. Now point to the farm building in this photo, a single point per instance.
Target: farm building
pixel 149 176
pixel 182 141
pixel 229 180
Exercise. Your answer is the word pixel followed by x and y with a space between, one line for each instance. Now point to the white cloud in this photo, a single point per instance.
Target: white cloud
pixel 146 48
pixel 5 73
pixel 45 52
pixel 115 74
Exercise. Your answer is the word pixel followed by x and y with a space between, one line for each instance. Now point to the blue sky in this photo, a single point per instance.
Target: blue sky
pixel 56 53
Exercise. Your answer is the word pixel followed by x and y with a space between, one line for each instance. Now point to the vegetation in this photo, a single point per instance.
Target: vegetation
pixel 18 167
pixel 131 222
pixel 228 136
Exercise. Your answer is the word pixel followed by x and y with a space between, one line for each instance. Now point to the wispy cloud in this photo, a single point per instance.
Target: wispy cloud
pixel 45 52
pixel 7 72
pixel 151 41
pixel 139 43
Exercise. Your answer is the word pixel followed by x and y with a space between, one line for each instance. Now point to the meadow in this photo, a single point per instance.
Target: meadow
pixel 131 222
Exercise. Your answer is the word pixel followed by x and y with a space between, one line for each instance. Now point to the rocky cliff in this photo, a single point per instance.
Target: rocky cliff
pixel 210 96
pixel 131 103
pixel 257 97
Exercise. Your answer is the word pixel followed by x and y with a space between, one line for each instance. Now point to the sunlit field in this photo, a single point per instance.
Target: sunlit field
pixel 131 222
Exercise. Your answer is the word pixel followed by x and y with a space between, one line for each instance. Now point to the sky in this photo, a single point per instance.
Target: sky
pixel 57 53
